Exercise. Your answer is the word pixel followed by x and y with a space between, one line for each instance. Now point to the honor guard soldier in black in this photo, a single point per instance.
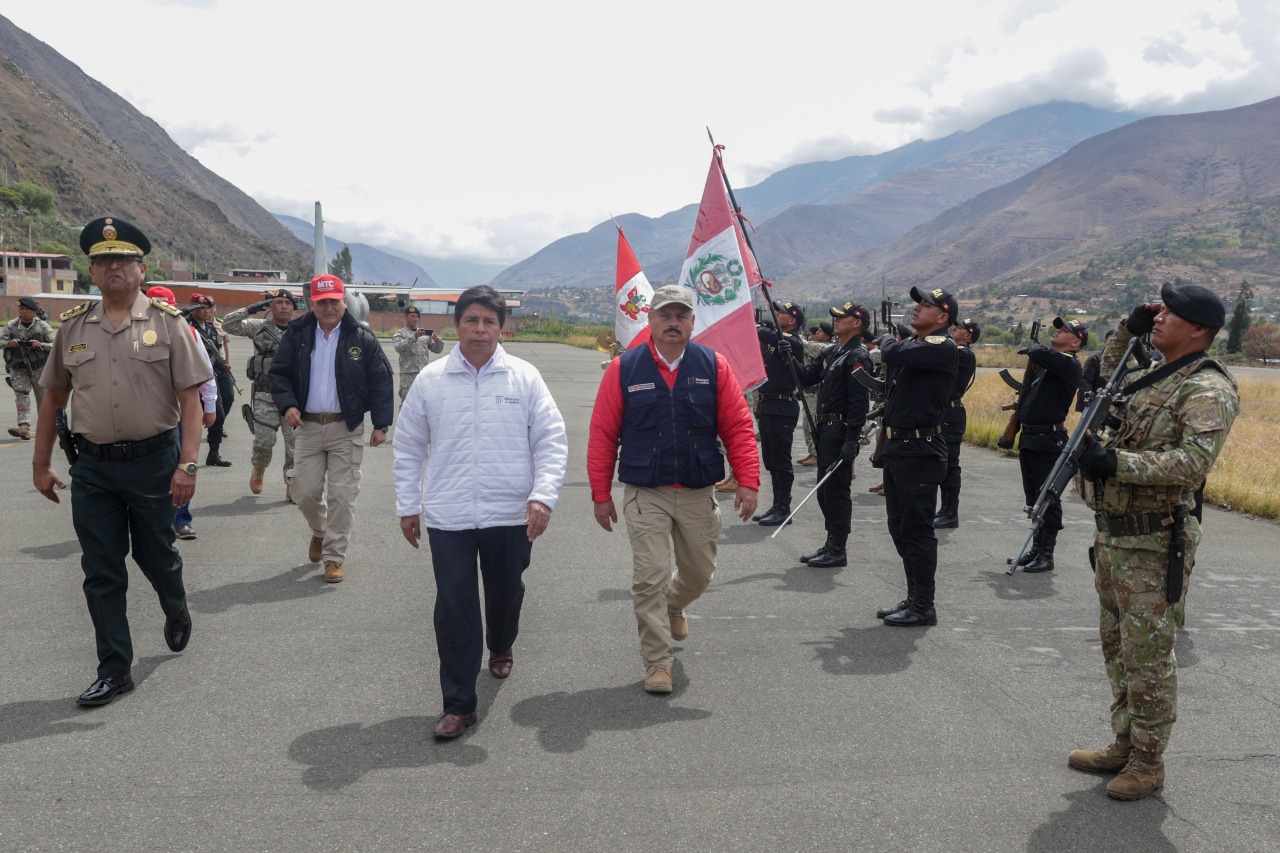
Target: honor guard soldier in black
pixel 778 406
pixel 920 373
pixel 841 414
pixel 955 420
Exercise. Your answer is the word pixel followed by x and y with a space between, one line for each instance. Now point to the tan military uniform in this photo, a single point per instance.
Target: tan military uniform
pixel 414 352
pixel 125 378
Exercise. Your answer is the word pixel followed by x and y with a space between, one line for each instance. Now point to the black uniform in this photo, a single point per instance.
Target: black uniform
pixel 1042 409
pixel 920 375
pixel 841 414
pixel 777 410
pixel 1091 379
pixel 954 422
pixel 226 391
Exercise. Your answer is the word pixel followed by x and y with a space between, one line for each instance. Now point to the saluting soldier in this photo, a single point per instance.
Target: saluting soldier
pixel 414 347
pixel 777 407
pixel 956 420
pixel 1141 478
pixel 841 413
pixel 136 371
pixel 920 373
pixel 25 340
pixel 1042 409
pixel 266 335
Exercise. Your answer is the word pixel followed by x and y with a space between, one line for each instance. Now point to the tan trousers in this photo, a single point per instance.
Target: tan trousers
pixel 326 481
pixel 668 525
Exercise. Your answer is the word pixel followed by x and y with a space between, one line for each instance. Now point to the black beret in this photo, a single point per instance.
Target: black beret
pixel 413 309
pixel 281 293
pixel 28 302
pixel 1080 330
pixel 826 327
pixel 1195 304
pixel 937 296
pixel 110 235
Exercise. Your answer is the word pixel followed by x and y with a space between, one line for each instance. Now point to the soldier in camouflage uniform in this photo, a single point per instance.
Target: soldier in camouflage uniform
pixel 414 346
pixel 25 340
pixel 265 335
pixel 1140 479
pixel 820 340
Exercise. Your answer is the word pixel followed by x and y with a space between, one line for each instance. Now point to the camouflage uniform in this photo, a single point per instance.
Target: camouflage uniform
pixel 1166 437
pixel 20 380
pixel 267 421
pixel 414 354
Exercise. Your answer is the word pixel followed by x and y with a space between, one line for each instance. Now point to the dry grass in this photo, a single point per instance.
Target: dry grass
pixel 1246 476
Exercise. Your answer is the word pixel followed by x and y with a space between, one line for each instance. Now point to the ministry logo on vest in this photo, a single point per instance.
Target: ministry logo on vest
pixel 715 278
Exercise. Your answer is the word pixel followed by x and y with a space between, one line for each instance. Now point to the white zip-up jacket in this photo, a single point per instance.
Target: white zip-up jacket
pixel 473 448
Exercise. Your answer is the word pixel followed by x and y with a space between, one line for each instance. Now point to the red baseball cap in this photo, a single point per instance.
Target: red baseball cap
pixel 162 292
pixel 326 287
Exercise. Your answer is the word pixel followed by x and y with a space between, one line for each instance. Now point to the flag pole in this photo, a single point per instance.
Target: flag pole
pixel 768 300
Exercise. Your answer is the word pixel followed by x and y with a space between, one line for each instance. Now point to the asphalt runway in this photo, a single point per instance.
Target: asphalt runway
pixel 299 718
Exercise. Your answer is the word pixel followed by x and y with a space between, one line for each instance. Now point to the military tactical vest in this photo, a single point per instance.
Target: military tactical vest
pixel 1136 424
pixel 265 343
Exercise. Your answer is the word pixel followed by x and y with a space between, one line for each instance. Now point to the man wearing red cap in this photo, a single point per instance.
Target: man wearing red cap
pixel 328 371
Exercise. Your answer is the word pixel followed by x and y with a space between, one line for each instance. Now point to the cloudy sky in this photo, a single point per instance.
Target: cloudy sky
pixel 485 130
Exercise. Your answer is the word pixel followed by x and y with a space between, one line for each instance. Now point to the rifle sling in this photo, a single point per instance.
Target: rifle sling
pixel 1160 373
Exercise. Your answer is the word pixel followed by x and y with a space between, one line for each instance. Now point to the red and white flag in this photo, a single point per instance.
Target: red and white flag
pixel 632 295
pixel 722 271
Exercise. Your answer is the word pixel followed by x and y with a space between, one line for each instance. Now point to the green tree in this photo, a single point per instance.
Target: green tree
pixel 341 265
pixel 34 198
pixel 1239 323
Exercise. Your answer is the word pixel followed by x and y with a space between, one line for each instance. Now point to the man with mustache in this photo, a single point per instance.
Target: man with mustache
pixel 659 410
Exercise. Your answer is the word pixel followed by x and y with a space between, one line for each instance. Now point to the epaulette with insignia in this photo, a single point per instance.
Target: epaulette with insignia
pixel 165 307
pixel 75 312
pixel 935 339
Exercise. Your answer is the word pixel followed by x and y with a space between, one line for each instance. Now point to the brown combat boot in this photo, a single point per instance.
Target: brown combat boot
pixel 1109 760
pixel 679 625
pixel 23 432
pixel 333 572
pixel 1143 774
pixel 657 679
pixel 255 480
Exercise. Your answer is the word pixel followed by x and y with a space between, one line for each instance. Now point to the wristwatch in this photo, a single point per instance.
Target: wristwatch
pixel 190 468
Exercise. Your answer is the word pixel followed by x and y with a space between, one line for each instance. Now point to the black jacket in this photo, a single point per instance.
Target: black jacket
pixel 362 370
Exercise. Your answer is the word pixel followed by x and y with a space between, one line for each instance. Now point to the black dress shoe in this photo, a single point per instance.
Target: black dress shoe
pixel 177 631
pixel 102 691
pixel 885 612
pixel 908 618
pixel 818 553
pixel 760 515
pixel 774 517
pixel 833 559
pixel 217 461
pixel 942 520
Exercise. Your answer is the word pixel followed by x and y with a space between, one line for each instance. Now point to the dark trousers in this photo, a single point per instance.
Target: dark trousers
pixel 226 399
pixel 504 555
pixel 835 498
pixel 911 495
pixel 951 481
pixel 1036 468
pixel 118 507
pixel 777 432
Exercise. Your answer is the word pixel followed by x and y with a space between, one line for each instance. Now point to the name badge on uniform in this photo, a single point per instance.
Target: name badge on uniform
pixel 643 386
pixel 78 348
pixel 149 338
pixel 699 380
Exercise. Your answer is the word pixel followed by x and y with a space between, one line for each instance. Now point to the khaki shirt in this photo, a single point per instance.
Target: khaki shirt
pixel 125 380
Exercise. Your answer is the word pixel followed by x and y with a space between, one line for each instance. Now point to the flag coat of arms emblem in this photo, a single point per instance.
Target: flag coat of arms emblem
pixel 632 295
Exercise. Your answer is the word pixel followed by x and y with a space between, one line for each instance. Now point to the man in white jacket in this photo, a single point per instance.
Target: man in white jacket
pixel 480 453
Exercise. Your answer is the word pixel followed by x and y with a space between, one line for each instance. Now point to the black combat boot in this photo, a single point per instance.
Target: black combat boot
pixel 949 515
pixel 215 459
pixel 835 556
pixel 1044 555
pixel 1030 557
pixel 822 551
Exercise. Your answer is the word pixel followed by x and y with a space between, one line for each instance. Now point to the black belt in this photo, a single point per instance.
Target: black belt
pixel 322 418
pixel 1041 429
pixel 1133 525
pixel 123 451
pixel 767 398
pixel 926 432
pixel 823 420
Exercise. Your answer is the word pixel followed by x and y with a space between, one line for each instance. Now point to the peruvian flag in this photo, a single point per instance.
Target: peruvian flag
pixel 722 271
pixel 632 295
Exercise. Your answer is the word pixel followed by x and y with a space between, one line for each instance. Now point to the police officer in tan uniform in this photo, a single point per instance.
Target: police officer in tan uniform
pixel 136 371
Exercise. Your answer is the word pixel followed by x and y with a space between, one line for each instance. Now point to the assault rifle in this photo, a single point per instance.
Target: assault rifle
pixel 1011 429
pixel 1069 460
pixel 22 348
